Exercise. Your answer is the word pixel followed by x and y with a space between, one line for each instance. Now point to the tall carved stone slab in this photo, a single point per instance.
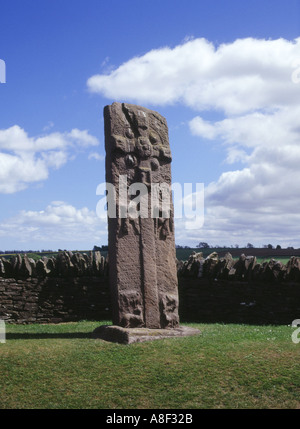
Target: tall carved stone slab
pixel 142 261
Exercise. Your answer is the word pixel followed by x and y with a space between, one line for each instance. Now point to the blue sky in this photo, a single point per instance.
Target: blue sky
pixel 223 73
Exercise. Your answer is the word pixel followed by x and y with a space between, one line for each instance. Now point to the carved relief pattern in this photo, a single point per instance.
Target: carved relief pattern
pixel 137 146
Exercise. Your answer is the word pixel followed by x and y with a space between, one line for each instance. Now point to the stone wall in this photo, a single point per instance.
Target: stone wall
pixel 75 287
pixel 54 299
pixel 227 290
pixel 69 287
pixel 64 265
pixel 245 268
pixel 222 301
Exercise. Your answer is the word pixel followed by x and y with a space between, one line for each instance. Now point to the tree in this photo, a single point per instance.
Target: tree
pixel 267 246
pixel 278 247
pixel 203 245
pixel 250 246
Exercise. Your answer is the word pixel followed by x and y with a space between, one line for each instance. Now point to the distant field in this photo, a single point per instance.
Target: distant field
pixel 282 260
pixel 34 256
pixel 183 254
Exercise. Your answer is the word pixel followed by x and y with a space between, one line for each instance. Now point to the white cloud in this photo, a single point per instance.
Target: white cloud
pixel 81 137
pixel 254 83
pixel 247 74
pixel 60 224
pixel 97 156
pixel 268 144
pixel 24 159
pixel 48 126
pixel 262 199
pixel 16 139
pixel 19 170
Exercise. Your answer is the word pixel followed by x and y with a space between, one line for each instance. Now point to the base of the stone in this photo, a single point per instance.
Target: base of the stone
pixel 117 334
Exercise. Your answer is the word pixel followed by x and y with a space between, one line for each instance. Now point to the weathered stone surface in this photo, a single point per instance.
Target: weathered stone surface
pixel 54 299
pixel 16 262
pixel 65 265
pixel 122 335
pixel 193 267
pixel 142 262
pixel 293 269
pixel 26 268
pixel 210 266
pixel 41 268
pixel 8 268
pixel 97 262
pixel 79 263
pixel 2 268
pixel 225 266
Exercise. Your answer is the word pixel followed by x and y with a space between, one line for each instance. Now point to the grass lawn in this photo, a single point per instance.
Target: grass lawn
pixel 284 261
pixel 228 366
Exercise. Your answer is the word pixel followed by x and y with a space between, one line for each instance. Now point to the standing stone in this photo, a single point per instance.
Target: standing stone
pixel 142 259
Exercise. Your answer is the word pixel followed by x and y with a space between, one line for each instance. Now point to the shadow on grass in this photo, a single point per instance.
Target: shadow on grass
pixel 48 335
pixel 254 321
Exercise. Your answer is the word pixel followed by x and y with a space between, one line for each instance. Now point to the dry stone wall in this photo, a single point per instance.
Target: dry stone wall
pixel 70 287
pixel 65 264
pixel 228 290
pixel 75 286
pixel 246 268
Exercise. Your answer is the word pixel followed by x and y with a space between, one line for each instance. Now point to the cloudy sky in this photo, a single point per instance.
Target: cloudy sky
pixel 225 75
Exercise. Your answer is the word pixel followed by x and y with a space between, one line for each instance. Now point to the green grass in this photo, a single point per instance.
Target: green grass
pixel 283 260
pixel 228 366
